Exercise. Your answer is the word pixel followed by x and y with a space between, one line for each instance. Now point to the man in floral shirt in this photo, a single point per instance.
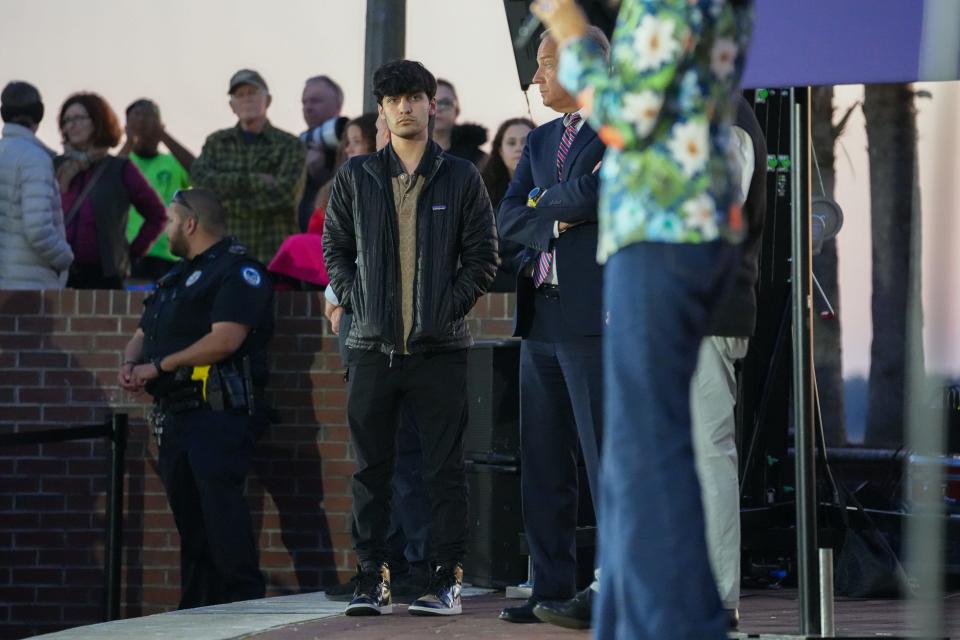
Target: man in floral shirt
pixel 667 231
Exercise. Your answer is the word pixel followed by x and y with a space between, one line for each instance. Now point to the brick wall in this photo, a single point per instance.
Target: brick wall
pixel 59 355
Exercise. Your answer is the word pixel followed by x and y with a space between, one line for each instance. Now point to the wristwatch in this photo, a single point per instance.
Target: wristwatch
pixel 534 196
pixel 156 363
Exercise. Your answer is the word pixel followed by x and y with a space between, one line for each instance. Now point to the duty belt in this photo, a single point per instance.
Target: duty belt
pixel 226 386
pixel 186 397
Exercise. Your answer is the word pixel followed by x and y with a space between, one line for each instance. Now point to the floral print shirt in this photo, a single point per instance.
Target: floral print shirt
pixel 664 112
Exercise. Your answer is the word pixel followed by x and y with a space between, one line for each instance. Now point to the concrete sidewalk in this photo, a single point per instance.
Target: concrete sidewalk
pixel 772 613
pixel 221 622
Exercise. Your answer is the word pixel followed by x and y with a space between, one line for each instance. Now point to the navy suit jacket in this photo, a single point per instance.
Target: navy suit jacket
pixel 573 200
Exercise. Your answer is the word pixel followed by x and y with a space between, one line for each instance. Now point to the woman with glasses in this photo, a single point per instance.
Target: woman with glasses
pixel 97 190
pixel 461 140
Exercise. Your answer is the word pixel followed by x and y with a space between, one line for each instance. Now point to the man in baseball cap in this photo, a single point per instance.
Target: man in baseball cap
pixel 255 168
pixel 250 77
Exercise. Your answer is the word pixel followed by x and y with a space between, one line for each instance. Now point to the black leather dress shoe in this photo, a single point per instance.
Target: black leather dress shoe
pixel 574 613
pixel 522 613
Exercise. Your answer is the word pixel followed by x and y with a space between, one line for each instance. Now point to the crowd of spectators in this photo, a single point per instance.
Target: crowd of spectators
pixel 585 366
pixel 92 216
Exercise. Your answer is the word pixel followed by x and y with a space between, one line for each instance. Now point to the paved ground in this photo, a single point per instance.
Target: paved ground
pixel 764 614
pixel 210 623
pixel 479 620
pixel 222 622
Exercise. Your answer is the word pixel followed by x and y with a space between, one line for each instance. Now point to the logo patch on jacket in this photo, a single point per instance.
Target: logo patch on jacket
pixel 193 278
pixel 439 207
pixel 251 276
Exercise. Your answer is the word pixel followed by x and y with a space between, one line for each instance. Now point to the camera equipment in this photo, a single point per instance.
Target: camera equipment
pixel 326 135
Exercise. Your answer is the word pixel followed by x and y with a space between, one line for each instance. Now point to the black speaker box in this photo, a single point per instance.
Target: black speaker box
pixel 493 389
pixel 495 557
pixel 497 550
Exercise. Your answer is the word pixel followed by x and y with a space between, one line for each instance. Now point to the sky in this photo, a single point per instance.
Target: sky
pixel 181 53
pixel 938 148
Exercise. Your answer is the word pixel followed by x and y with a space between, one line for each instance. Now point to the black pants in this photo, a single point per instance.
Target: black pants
pixel 408 537
pixel 204 459
pixel 434 385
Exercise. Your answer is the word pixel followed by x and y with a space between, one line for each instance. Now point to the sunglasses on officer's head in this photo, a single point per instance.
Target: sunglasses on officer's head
pixel 180 198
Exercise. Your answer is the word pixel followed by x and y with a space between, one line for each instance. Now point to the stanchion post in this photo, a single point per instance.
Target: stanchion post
pixel 113 549
pixel 827 625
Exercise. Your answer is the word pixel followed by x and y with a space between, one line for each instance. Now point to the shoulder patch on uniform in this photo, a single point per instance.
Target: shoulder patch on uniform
pixel 237 249
pixel 251 276
pixel 193 277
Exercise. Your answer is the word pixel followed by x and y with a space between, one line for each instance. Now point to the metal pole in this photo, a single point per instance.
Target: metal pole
pixel 827 628
pixel 113 549
pixel 801 267
pixel 925 539
pixel 386 41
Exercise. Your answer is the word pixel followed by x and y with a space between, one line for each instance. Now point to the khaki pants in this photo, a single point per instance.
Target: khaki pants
pixel 713 396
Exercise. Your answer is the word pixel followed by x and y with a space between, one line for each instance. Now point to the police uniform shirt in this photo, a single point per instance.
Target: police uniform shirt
pixel 222 284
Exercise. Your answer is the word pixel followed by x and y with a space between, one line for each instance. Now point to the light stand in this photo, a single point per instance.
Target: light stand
pixel 802 407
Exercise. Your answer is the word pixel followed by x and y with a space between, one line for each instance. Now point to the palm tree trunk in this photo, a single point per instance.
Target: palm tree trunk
pixel 895 229
pixel 827 344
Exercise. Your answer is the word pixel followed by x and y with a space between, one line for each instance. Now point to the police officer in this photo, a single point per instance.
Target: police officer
pixel 200 352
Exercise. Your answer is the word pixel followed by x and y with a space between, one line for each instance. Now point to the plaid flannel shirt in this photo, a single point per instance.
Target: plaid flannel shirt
pixel 262 216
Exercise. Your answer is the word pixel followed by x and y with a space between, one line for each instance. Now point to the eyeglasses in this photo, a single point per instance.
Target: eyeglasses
pixel 66 122
pixel 445 103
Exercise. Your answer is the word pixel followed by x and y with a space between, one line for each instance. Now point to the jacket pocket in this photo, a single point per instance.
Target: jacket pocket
pixel 356 299
pixel 445 311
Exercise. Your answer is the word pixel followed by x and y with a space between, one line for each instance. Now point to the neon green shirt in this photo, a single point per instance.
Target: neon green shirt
pixel 166 175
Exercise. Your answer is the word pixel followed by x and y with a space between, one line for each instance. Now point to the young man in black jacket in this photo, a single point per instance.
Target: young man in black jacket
pixel 410 244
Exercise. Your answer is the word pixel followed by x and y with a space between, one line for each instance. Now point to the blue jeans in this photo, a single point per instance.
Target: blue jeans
pixel 655 579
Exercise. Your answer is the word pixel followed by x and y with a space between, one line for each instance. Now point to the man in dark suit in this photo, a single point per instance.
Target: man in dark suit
pixel 550 208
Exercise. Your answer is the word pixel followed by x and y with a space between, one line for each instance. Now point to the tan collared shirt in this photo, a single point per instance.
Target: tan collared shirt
pixel 406 192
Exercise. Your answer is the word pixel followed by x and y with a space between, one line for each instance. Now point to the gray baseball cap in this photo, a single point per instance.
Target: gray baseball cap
pixel 247 76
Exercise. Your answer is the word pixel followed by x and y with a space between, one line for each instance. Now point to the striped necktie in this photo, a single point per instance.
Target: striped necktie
pixel 545 259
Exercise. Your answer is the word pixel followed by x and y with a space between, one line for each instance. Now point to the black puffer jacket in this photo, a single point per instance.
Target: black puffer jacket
pixel 456 251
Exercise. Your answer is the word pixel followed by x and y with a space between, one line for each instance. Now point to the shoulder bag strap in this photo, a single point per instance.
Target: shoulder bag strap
pixel 67 219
